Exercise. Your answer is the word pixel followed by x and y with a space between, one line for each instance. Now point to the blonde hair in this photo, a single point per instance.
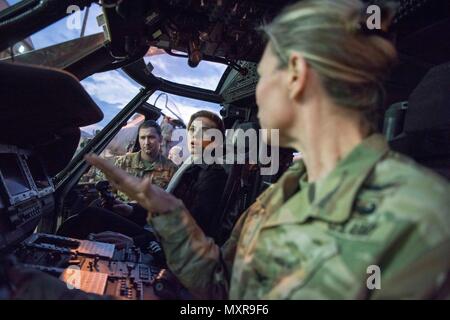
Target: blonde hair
pixel 352 64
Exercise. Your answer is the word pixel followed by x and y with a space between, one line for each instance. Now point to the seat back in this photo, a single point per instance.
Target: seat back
pixel 245 180
pixel 240 190
pixel 425 122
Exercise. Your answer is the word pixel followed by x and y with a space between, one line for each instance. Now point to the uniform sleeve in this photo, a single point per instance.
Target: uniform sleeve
pixel 172 170
pixel 426 277
pixel 403 266
pixel 199 264
pixel 404 256
pixel 417 266
pixel 94 175
pixel 162 176
pixel 120 161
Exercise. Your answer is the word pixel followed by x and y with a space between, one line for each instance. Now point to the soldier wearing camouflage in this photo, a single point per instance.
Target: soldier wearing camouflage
pixel 303 240
pixel 154 164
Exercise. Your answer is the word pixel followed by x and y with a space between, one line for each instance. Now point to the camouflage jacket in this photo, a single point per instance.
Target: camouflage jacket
pixel 160 171
pixel 325 240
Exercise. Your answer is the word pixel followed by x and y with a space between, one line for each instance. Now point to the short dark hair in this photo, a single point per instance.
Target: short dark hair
pixel 150 124
pixel 211 116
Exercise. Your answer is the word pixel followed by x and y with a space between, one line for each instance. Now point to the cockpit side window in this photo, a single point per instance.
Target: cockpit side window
pixel 80 23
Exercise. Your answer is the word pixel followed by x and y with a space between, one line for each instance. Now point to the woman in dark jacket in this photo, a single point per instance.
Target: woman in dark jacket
pixel 198 184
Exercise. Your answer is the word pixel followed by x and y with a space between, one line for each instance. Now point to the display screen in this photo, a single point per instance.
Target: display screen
pixel 37 171
pixel 12 173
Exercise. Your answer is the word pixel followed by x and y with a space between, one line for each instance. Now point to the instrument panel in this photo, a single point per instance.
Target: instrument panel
pixel 26 193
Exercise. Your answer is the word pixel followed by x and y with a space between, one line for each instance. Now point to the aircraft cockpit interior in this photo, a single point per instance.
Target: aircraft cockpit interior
pixel 43 105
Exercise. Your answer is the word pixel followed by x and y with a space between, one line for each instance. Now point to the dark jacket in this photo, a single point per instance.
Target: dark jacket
pixel 200 188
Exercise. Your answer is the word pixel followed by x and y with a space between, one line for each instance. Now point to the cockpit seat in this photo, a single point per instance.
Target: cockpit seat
pixel 240 189
pixel 420 128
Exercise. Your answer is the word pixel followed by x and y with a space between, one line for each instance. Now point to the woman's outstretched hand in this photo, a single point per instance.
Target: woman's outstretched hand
pixel 151 197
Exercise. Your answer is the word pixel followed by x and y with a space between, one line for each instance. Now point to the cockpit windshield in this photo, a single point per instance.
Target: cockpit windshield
pixel 206 75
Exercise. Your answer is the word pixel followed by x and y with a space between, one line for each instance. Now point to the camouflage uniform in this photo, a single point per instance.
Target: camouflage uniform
pixel 303 240
pixel 160 171
pixel 93 175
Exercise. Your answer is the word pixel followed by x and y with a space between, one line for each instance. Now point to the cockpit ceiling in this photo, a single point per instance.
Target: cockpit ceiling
pixel 222 28
pixel 224 31
pixel 203 29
